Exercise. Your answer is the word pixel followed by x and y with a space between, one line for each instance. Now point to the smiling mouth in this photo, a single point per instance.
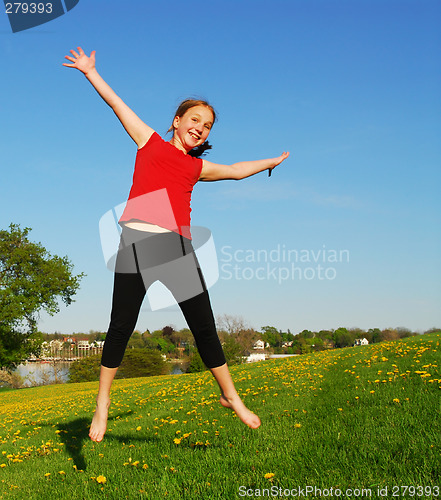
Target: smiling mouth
pixel 195 136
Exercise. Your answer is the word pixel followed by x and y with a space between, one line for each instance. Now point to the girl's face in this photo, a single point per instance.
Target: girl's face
pixel 192 129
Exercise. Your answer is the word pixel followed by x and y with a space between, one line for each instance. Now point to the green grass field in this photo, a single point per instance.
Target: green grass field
pixel 366 417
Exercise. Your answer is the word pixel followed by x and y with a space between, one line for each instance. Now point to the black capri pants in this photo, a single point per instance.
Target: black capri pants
pixel 143 258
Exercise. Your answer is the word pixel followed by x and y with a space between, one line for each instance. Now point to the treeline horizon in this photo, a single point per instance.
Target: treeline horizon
pixel 238 339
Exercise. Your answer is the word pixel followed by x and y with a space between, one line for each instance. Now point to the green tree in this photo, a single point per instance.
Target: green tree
pixel 307 334
pixel 136 341
pixel 31 280
pixel 304 346
pixel 271 335
pixel 182 338
pixel 343 338
pixel 233 350
pixel 317 343
pixel 374 335
pixel 196 364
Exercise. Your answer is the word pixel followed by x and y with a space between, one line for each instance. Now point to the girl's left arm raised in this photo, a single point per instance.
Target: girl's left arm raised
pixel 241 170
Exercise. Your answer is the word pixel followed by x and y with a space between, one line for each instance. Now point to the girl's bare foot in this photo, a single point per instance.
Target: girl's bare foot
pixel 99 421
pixel 236 404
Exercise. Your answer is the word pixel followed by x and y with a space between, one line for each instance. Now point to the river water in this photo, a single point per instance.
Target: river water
pixel 38 373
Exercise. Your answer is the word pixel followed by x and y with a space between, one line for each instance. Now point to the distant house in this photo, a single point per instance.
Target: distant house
pixel 83 344
pixel 259 345
pixel 56 345
pixel 362 341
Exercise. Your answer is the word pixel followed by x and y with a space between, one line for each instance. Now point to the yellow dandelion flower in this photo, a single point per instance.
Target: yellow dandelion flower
pixel 61 472
pixel 396 400
pixel 298 425
pixel 47 474
pixel 269 475
pixel 101 479
pixel 145 466
pixel 138 428
pixel 177 440
pixel 2 465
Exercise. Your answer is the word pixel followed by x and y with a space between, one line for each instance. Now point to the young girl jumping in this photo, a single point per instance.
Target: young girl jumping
pixel 156 240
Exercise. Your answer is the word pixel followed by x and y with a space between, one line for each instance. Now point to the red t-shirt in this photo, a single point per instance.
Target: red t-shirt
pixel 162 185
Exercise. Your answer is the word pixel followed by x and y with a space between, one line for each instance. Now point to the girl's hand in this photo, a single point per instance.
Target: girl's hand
pixel 81 61
pixel 278 161
pixel 281 158
pixel 134 126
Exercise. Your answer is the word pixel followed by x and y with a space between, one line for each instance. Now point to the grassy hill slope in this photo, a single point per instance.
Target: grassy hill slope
pixel 365 417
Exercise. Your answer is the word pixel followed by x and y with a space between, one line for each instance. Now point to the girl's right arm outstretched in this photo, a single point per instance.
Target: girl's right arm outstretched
pixel 135 127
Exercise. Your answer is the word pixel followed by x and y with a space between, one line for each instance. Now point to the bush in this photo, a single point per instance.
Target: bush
pixel 136 363
pixel 142 363
pixel 232 350
pixel 196 364
pixel 86 369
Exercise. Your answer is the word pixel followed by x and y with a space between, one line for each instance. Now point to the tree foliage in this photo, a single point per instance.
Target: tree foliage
pixel 136 363
pixel 86 369
pixel 342 338
pixel 232 350
pixel 31 280
pixel 142 363
pixel 196 364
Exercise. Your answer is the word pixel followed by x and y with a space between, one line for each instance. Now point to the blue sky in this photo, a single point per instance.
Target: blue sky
pixel 351 89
